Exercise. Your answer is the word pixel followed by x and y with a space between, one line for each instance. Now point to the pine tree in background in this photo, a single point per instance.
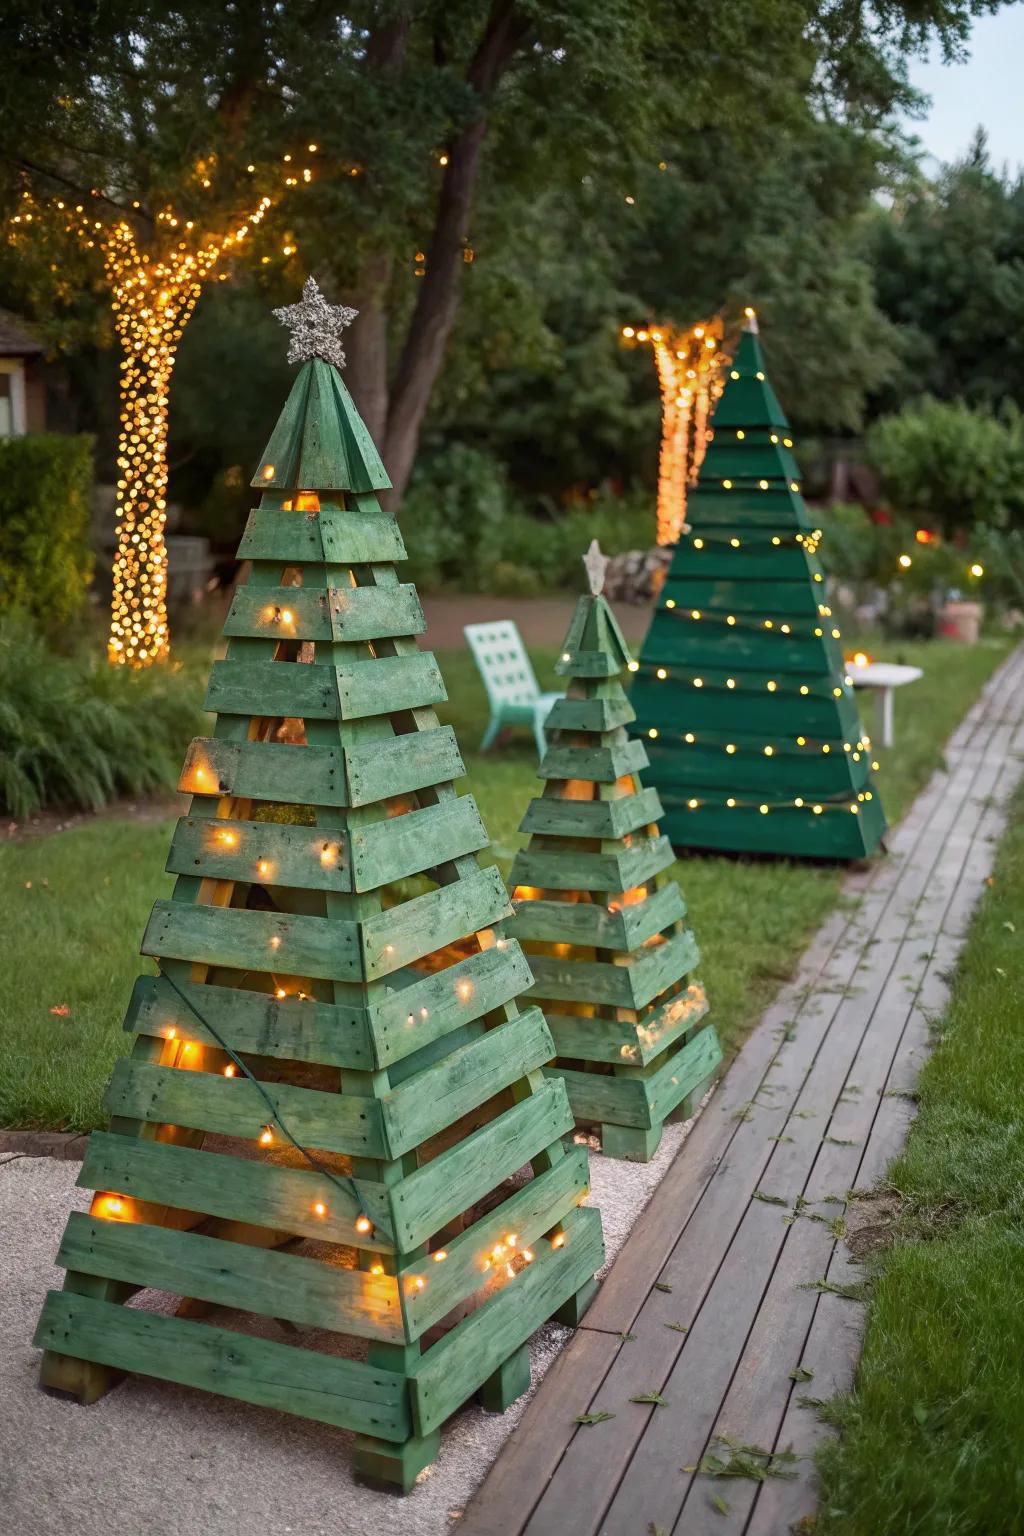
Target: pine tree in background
pixel 333 1095
pixel 742 695
pixel 606 936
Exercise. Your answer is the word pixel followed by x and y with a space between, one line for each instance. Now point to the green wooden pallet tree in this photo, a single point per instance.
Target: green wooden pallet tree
pixel 605 933
pixel 332 1087
pixel 742 693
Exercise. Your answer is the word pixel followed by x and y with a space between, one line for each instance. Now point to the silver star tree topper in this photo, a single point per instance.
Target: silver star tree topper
pixel 316 326
pixel 595 564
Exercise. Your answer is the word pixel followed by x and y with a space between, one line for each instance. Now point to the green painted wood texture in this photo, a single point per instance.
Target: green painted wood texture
pixel 333 1089
pixel 605 931
pixel 733 674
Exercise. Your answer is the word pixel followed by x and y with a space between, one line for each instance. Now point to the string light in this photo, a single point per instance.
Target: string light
pixel 153 294
pixel 364 1224
pixel 689 365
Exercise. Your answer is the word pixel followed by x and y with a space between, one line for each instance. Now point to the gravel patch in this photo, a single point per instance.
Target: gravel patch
pixel 170 1461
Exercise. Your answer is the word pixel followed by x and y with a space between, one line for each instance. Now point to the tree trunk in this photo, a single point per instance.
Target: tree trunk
pixel 366 347
pixel 434 315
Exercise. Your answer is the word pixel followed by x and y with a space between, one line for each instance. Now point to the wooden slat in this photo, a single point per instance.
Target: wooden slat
pixel 399 846
pixel 261 852
pixel 642 1101
pixel 331 536
pixel 433 1195
pixel 333 1390
pixel 303 1290
pixel 567 870
pixel 449 1372
pixel 631 985
pixel 596 715
pixel 407 932
pixel 260 770
pixel 260 1193
pixel 416 761
pixel 325 613
pixel 440 1095
pixel 619 1044
pixel 591 923
pixel 531 1211
pixel 289 1029
pixel 602 765
pixel 551 816
pixel 232 1106
pixel 383 685
pixel 292 945
pixel 426 1009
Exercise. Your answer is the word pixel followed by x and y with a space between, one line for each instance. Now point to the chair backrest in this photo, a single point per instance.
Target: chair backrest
pixel 504 665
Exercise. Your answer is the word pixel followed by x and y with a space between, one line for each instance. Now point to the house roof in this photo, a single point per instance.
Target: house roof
pixel 16 339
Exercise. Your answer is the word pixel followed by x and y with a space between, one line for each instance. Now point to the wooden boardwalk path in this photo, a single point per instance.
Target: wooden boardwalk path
pixel 716 1288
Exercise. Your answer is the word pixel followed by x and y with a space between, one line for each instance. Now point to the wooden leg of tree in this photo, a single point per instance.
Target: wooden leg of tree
pixel 395 1466
pixel 687 1108
pixel 81 1379
pixel 571 1312
pixel 510 1380
pixel 637 1144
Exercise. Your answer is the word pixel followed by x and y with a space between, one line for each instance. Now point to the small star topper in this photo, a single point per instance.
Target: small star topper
pixel 316 326
pixel 595 564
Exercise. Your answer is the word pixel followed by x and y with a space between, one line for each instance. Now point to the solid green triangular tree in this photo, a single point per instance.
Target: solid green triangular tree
pixel 332 1085
pixel 742 692
pixel 605 933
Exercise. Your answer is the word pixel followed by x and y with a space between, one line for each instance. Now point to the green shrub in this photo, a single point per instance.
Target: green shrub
pixel 949 467
pixel 464 527
pixel 45 559
pixel 75 732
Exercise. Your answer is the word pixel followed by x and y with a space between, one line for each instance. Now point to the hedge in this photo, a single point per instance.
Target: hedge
pixel 45 495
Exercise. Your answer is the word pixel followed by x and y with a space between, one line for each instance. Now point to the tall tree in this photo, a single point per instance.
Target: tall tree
pixel 438 124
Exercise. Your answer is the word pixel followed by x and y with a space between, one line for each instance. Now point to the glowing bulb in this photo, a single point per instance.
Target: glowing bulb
pixel 363 1224
pixel 698 543
pixel 280 992
pixel 905 562
pixel 634 666
pixel 266 1136
pixel 328 855
pixel 558 1241
pixel 230 1070
pixel 229 839
pixel 268 471
pixel 653 733
pixel 319 1209
pixel 661 672
pixel 977 570
pixel 763 809
pixel 763 484
pixel 693 804
pixel 695 613
pixel 440 1255
pixel 771 686
pixel 730 802
pixel 731 748
pixel 698 682
pixel 670 602
pixel 464 991
pixel 376 1269
pixel 727 484
pixel 690 737
pixel 263 867
pixel 740 435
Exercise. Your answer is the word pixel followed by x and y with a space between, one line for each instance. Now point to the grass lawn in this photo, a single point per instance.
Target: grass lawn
pixel 76 902
pixel 932 1433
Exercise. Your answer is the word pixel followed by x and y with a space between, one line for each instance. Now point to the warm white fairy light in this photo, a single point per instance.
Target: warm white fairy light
pixel 152 294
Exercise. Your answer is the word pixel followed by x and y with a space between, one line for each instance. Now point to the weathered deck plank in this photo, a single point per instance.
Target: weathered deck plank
pixel 834 1082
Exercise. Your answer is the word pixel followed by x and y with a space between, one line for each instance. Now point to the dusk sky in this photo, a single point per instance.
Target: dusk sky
pixel 985 90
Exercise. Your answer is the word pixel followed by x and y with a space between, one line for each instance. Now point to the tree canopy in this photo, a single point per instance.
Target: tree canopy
pixel 498 184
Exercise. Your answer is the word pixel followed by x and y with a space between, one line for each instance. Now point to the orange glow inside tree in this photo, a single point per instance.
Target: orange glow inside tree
pixel 689 364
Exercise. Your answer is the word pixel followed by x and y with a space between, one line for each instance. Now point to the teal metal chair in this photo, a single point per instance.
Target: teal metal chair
pixel 512 688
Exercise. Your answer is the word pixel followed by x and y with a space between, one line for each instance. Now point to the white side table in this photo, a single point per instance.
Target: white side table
pixel 886 676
